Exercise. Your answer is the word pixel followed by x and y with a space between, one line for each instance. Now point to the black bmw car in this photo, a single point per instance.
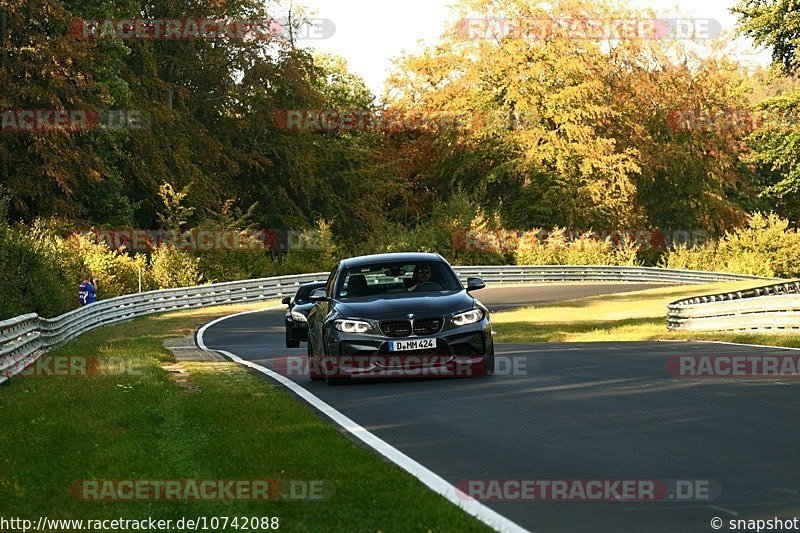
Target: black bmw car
pixel 396 315
pixel 297 314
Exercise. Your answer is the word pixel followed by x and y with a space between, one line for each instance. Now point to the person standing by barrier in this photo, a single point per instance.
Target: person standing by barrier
pixel 87 291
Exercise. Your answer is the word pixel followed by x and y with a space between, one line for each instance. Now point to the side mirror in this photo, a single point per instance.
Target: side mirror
pixel 286 301
pixel 319 295
pixel 475 284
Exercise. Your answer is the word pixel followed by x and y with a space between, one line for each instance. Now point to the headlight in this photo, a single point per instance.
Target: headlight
pixel 352 326
pixel 469 317
pixel 300 317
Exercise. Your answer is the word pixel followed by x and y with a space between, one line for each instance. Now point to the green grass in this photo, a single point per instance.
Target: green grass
pixel 220 422
pixel 632 316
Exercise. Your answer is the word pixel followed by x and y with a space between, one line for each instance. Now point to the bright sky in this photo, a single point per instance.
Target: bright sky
pixel 370 33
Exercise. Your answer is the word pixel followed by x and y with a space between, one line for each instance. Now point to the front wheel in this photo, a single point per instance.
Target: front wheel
pixel 333 376
pixel 314 371
pixel 488 364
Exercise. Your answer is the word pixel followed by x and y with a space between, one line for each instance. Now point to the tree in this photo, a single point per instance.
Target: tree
pixel 43 68
pixel 572 131
pixel 776 141
pixel 175 214
pixel 774 24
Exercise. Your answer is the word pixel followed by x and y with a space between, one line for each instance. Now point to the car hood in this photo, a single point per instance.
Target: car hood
pixel 400 305
pixel 303 309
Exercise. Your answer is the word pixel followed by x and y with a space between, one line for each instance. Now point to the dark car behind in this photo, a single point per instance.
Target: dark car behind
pixel 296 319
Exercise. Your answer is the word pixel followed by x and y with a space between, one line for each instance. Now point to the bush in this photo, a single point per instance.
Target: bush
pixel 117 272
pixel 766 247
pixel 313 250
pixel 172 268
pixel 698 257
pixel 450 232
pixel 226 265
pixel 556 249
pixel 29 281
pixel 42 270
pixel 484 243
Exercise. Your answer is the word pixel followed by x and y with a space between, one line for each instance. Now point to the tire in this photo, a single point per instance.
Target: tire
pixel 338 380
pixel 313 367
pixel 334 380
pixel 290 342
pixel 488 365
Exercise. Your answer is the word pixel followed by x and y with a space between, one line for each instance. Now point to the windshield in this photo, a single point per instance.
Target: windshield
pixel 304 292
pixel 397 278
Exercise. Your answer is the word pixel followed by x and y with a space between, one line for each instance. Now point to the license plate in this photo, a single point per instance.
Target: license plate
pixel 413 344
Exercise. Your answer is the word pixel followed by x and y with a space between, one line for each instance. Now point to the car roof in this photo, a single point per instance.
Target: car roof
pixel 404 257
pixel 312 285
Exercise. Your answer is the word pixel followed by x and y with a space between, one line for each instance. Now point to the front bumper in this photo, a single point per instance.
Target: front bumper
pixel 460 351
pixel 297 329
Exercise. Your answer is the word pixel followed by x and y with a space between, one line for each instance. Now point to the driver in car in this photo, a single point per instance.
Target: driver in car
pixel 422 274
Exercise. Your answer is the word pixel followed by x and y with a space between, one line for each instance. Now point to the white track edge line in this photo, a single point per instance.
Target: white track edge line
pixel 750 345
pixel 433 481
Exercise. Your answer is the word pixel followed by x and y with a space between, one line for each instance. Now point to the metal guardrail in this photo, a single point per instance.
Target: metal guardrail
pixel 24 338
pixel 556 273
pixel 769 307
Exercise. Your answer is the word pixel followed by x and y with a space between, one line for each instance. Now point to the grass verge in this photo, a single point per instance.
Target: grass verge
pixel 218 422
pixel 632 316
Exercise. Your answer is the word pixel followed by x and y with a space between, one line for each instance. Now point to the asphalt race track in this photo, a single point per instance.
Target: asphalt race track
pixel 600 411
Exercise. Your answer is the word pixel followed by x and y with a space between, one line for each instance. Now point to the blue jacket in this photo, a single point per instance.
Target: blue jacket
pixel 86 293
